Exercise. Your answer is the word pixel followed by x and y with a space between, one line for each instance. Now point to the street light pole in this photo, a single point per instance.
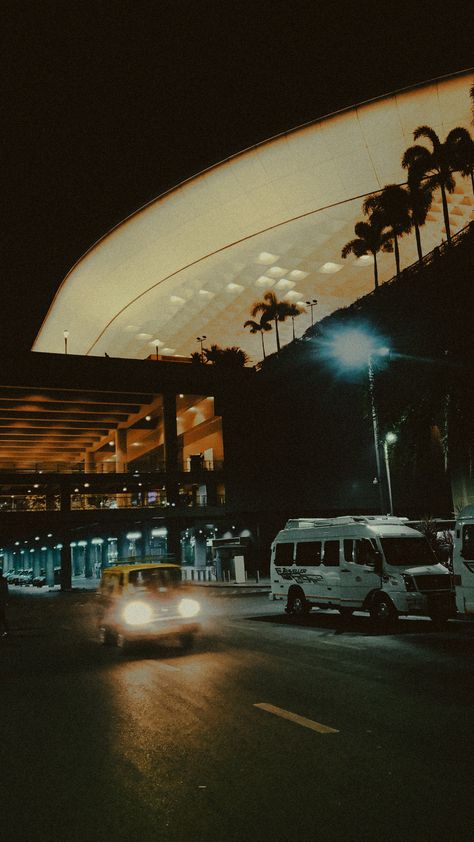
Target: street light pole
pixel 312 304
pixel 201 339
pixel 389 439
pixel 65 334
pixel 375 430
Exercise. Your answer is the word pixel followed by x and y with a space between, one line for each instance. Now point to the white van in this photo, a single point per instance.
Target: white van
pixel 370 563
pixel 463 562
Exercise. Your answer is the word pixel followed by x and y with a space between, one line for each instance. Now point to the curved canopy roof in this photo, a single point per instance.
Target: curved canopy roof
pixel 193 261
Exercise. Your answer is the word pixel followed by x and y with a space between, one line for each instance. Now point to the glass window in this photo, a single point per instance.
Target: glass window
pixel 468 542
pixel 308 553
pixel 155 578
pixel 408 552
pixel 331 553
pixel 348 548
pixel 284 554
pixel 365 552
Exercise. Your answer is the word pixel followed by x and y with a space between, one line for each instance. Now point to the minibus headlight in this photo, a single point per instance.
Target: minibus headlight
pixel 409 582
pixel 137 613
pixel 189 608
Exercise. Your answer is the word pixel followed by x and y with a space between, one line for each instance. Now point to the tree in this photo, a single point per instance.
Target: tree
pixel 259 327
pixel 434 167
pixel 275 311
pixel 462 152
pixel 392 208
pixel 231 357
pixel 370 237
pixel 420 198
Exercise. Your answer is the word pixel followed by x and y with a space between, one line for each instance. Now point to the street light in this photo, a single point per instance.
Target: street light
pixel 65 334
pixel 312 304
pixel 355 349
pixel 390 438
pixel 201 339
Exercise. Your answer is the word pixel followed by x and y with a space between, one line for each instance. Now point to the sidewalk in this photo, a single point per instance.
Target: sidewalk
pixel 232 588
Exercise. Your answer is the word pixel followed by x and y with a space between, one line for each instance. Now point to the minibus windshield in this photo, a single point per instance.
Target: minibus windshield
pixel 408 552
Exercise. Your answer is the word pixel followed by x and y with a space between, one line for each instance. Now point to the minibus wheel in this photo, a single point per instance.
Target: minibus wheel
pixel 382 610
pixel 297 603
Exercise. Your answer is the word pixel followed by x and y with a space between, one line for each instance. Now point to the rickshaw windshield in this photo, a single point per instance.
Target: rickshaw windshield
pixel 155 579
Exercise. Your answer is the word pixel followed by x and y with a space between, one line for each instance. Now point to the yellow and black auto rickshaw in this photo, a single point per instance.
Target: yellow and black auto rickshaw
pixel 146 602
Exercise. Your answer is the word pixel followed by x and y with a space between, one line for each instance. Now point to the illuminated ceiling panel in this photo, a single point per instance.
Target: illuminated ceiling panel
pixel 194 260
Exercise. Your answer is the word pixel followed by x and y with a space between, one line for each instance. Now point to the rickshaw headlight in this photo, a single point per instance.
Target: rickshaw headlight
pixel 189 607
pixel 137 613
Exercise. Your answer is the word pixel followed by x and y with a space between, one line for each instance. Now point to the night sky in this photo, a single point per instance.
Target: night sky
pixel 107 104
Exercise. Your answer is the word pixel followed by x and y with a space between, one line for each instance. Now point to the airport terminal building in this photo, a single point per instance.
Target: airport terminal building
pixel 114 442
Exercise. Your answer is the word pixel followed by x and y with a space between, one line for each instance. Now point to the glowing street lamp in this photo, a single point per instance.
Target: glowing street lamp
pixel 201 339
pixel 356 349
pixel 390 438
pixel 311 304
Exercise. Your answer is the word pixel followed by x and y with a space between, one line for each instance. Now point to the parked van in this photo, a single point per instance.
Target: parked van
pixel 369 563
pixel 463 562
pixel 145 602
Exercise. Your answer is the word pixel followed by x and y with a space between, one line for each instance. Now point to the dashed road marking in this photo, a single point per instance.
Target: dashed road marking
pixel 294 717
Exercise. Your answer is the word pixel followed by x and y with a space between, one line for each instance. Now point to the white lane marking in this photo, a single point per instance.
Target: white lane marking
pixel 299 720
pixel 164 666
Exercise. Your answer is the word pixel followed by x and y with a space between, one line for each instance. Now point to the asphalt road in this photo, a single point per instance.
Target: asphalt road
pixel 159 744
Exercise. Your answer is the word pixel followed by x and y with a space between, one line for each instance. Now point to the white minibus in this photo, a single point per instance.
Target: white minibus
pixel 372 563
pixel 463 562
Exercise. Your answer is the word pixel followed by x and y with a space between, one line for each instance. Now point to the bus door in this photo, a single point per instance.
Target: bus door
pixel 330 569
pixel 358 567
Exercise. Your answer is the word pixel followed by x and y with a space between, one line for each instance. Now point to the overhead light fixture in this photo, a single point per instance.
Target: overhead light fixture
pixel 276 272
pixel 264 281
pixel 235 287
pixel 284 283
pixel 330 268
pixel 267 258
pixel 297 275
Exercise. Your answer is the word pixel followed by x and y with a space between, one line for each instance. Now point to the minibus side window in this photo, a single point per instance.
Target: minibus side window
pixel 365 552
pixel 468 542
pixel 308 553
pixel 348 549
pixel 331 553
pixel 284 554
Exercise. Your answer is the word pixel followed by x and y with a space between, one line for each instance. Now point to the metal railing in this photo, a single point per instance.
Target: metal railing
pixel 189 465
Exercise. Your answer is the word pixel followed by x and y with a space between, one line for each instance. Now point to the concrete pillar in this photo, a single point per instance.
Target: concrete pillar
pixel 65 497
pixel 170 429
pixel 122 546
pixel 87 561
pixel 103 554
pixel 65 565
pixel 89 462
pixel 49 567
pixel 121 450
pixel 36 565
pixel 199 549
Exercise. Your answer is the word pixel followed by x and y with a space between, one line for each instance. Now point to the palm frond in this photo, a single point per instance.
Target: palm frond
pixel 428 132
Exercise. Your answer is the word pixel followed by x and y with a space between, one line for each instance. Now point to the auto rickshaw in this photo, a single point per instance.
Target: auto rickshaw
pixel 145 602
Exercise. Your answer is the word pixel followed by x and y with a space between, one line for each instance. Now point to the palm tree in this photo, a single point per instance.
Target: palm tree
pixel 420 198
pixel 433 166
pixel 462 152
pixel 232 357
pixel 393 209
pixel 370 238
pixel 275 311
pixel 259 327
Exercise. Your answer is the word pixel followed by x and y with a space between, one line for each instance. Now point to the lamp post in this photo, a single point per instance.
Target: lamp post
pixel 355 349
pixel 390 438
pixel 65 334
pixel 312 304
pixel 373 412
pixel 201 339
